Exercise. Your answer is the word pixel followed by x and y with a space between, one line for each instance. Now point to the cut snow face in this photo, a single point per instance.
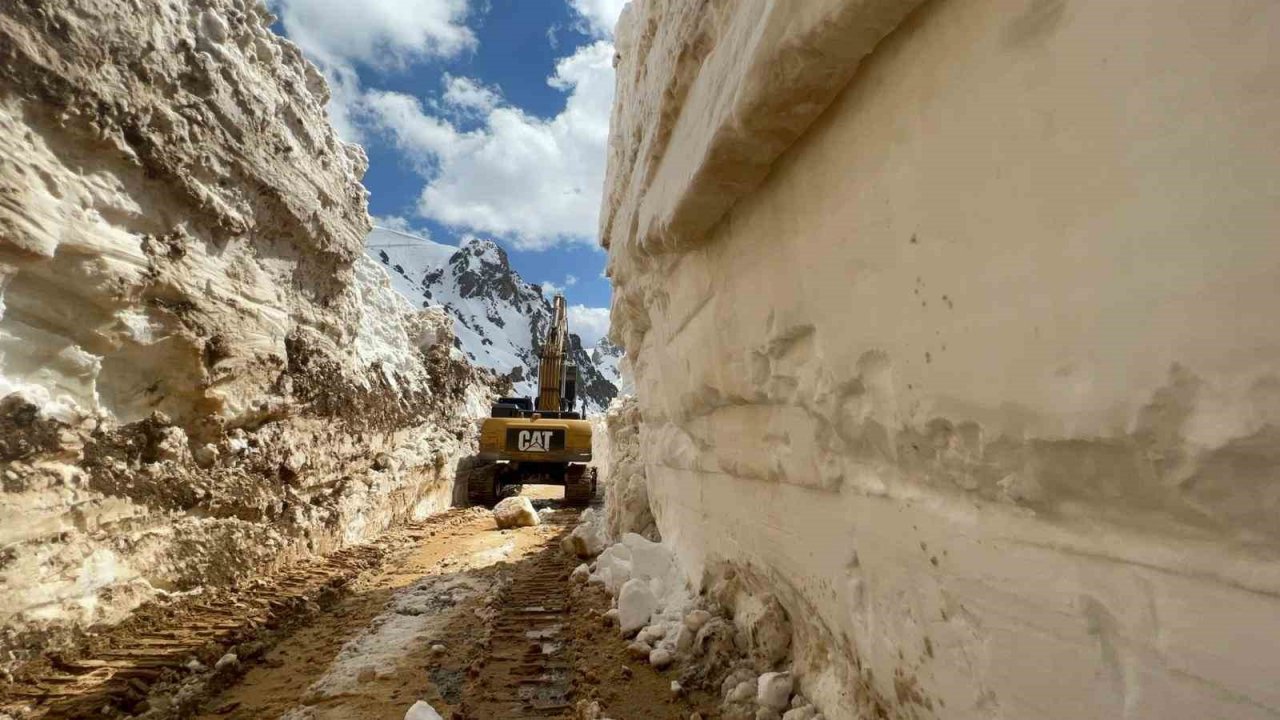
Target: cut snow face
pixel 500 319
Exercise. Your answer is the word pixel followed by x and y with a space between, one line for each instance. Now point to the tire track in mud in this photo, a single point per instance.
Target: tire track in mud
pixel 527 666
pixel 118 669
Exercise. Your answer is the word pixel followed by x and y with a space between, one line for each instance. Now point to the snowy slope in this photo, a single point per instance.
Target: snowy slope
pixel 499 318
pixel 606 356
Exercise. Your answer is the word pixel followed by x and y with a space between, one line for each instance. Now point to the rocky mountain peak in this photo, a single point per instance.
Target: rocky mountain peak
pixel 500 319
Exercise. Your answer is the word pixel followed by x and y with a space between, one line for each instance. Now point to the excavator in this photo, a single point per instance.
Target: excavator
pixel 538 441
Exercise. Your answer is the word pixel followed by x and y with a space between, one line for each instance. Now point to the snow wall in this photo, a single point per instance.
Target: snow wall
pixel 201 375
pixel 952 326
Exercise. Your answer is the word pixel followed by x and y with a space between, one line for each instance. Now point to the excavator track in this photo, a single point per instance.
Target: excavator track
pixel 528 671
pixel 579 485
pixel 124 662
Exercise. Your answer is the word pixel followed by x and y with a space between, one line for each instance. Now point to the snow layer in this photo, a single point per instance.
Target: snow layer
pixel 200 373
pixel 500 320
pixel 966 361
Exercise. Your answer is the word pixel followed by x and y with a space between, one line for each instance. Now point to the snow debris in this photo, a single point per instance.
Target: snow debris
pixel 636 603
pixel 588 539
pixel 696 619
pixel 613 568
pixel 581 573
pixel 660 658
pixel 515 512
pixel 773 690
pixel 588 710
pixel 804 712
pixel 422 710
pixel 230 660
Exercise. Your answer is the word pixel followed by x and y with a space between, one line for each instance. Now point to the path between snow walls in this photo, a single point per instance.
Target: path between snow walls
pixel 948 325
pixel 201 375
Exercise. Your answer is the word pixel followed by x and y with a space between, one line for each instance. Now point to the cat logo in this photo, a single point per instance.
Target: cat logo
pixel 533 441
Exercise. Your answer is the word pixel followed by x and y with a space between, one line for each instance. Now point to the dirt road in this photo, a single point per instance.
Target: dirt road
pixel 477 622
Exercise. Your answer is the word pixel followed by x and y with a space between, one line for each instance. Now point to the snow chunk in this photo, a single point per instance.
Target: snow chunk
pixel 588 539
pixel 660 658
pixel 773 690
pixel 421 710
pixel 515 512
pixel 636 604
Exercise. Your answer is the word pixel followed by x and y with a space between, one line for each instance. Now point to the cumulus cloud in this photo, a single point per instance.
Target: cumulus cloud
pixel 550 289
pixel 379 33
pixel 469 97
pixel 570 280
pixel 600 16
pixel 487 166
pixel 535 182
pixel 402 117
pixel 338 35
pixel 589 323
pixel 400 224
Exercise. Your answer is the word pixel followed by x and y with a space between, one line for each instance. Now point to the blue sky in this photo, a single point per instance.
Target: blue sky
pixel 479 117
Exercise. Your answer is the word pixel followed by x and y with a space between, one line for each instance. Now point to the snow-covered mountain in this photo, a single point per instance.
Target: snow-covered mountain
pixel 500 319
pixel 606 357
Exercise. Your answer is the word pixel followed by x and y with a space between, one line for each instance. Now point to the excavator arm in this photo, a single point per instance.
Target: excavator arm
pixel 551 368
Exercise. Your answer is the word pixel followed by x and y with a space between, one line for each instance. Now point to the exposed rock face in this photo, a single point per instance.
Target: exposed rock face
pixel 200 373
pixel 501 319
pixel 969 374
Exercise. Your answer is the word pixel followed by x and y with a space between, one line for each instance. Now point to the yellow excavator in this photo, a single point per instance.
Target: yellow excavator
pixel 542 443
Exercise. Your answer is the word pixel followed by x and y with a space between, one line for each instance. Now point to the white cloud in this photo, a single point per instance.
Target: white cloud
pixel 469 96
pixel 570 280
pixel 589 323
pixel 380 33
pixel 337 35
pixel 600 16
pixel 412 129
pixel 550 289
pixel 536 182
pixel 400 224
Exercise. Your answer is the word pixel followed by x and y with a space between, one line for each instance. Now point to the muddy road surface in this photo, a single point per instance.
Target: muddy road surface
pixel 474 621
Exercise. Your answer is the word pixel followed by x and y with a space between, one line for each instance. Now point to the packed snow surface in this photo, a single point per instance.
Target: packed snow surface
pixel 977 381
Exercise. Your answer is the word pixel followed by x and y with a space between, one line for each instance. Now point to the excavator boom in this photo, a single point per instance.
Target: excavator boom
pixel 551 369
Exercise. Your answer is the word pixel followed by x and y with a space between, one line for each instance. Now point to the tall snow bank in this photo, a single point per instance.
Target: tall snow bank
pixel 972 378
pixel 200 375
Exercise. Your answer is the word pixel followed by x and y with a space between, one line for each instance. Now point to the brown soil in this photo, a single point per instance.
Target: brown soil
pixel 480 623
pixel 625 687
pixel 521 641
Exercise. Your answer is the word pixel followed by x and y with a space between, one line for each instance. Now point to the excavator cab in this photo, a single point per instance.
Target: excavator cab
pixel 542 440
